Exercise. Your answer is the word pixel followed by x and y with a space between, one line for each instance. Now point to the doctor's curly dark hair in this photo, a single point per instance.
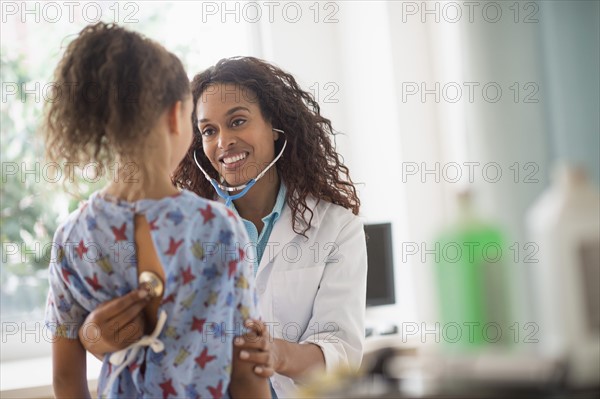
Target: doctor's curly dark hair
pixel 310 164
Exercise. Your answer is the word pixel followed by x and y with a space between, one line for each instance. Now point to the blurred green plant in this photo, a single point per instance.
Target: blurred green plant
pixel 28 213
pixel 32 204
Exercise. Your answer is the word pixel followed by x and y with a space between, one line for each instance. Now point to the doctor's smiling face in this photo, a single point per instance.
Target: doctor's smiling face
pixel 237 102
pixel 237 140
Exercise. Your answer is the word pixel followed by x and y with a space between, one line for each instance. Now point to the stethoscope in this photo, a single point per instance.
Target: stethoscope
pixel 223 191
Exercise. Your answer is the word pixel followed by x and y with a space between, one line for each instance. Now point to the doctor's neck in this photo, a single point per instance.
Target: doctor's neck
pixel 260 200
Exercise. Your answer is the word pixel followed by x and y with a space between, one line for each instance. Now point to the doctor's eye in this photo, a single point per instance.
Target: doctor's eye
pixel 208 132
pixel 238 122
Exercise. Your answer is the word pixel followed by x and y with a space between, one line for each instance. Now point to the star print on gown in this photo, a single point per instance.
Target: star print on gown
pixel 173 246
pixel 66 273
pixel 211 272
pixel 91 222
pixel 152 224
pixel 232 268
pixel 187 275
pixel 175 216
pixel 225 236
pixel 217 392
pixel 81 249
pixel 198 324
pixel 204 358
pixel 94 282
pixel 191 392
pixel 119 232
pixel 167 389
pixel 207 213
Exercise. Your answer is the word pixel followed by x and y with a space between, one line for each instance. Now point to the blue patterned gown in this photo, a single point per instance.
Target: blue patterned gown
pixel 209 288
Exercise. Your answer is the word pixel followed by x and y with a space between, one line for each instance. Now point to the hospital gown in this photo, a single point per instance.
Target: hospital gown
pixel 209 288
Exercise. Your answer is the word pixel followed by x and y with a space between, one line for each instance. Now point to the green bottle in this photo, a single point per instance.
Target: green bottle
pixel 472 282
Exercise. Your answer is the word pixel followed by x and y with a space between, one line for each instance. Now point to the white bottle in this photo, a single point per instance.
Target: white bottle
pixel 565 224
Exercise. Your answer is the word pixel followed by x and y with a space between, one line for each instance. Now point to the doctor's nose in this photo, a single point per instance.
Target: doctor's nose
pixel 227 138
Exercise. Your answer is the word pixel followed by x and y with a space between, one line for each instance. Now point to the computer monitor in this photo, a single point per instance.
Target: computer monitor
pixel 380 276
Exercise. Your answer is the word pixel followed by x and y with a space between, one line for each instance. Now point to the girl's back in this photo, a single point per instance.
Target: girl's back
pixel 207 293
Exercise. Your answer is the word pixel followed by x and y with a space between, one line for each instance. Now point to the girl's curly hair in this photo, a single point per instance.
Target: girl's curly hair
pixel 111 86
pixel 309 166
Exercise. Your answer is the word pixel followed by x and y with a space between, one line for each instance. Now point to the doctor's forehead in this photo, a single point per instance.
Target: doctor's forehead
pixel 227 93
pixel 220 99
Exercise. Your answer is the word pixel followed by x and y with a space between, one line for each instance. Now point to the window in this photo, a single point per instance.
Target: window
pixel 33 202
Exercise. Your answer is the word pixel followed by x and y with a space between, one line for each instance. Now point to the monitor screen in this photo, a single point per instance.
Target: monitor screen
pixel 380 276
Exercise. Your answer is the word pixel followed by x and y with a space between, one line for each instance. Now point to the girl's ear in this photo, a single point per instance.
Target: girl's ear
pixel 275 134
pixel 175 117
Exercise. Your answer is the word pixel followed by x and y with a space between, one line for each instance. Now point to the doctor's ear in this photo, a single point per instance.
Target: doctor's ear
pixel 276 133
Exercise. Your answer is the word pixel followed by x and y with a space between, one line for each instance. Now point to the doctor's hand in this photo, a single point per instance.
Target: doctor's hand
pixel 258 347
pixel 115 324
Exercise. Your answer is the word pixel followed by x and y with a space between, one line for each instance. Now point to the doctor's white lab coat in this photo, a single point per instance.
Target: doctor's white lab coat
pixel 314 289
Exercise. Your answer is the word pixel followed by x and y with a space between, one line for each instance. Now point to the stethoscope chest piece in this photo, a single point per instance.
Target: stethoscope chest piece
pixel 151 283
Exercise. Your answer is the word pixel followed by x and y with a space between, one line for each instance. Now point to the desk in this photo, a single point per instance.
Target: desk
pixel 396 369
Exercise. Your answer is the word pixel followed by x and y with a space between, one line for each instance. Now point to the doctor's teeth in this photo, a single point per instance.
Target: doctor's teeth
pixel 234 158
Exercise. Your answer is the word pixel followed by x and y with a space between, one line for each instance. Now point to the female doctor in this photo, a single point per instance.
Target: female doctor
pixel 262 147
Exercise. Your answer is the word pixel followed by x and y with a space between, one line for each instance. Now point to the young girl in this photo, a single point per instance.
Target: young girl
pixel 129 104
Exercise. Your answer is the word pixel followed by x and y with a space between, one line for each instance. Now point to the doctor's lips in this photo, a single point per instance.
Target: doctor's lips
pixel 233 159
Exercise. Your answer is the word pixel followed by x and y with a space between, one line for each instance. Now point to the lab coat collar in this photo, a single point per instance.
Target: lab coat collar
pixel 283 233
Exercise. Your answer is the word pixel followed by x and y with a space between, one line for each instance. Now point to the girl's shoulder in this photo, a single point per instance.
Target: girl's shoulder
pixel 211 208
pixel 203 212
pixel 65 228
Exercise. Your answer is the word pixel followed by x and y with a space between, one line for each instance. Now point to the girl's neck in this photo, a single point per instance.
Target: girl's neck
pixel 146 175
pixel 154 188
